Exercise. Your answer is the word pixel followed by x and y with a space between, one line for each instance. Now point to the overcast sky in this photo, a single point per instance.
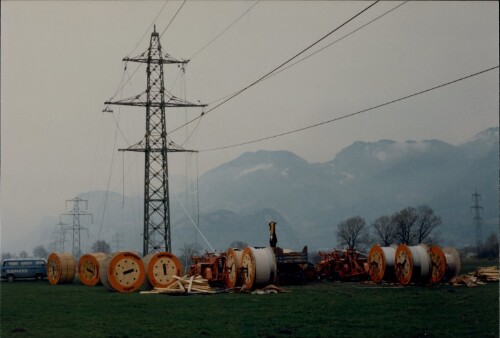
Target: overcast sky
pixel 61 60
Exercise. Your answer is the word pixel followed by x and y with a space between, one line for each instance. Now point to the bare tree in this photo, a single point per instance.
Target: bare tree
pixel 385 230
pixel 405 223
pixel 490 247
pixel 101 246
pixel 40 252
pixel 353 232
pixel 6 255
pixel 427 222
pixel 23 254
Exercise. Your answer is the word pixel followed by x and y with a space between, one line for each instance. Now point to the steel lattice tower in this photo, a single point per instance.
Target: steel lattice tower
pixel 477 220
pixel 76 228
pixel 155 98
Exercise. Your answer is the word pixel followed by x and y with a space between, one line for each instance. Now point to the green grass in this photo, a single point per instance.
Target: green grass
pixel 325 309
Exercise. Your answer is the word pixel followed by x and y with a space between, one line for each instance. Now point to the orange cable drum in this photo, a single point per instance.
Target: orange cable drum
pixel 413 264
pixel 381 263
pixel 233 266
pixel 60 268
pixel 438 263
pixel 89 266
pixel 122 272
pixel 161 267
pixel 258 267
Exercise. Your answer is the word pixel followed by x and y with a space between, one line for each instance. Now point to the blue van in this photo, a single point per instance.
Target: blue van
pixel 14 268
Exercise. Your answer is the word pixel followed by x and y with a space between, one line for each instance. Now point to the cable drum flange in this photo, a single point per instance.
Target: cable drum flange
pixel 122 272
pixel 161 267
pixel 60 268
pixel 258 266
pixel 413 264
pixel 381 263
pixel 89 266
pixel 232 267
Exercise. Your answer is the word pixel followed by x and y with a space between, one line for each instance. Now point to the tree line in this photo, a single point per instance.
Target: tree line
pixel 409 226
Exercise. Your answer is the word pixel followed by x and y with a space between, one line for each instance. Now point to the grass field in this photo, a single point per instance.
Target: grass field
pixel 323 309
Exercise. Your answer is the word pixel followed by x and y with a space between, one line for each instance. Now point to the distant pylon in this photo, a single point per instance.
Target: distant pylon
pixel 477 221
pixel 75 227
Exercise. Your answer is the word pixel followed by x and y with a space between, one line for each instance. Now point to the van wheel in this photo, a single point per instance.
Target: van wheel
pixel 11 278
pixel 38 277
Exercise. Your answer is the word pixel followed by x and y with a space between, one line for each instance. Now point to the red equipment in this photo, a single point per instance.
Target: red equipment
pixel 343 265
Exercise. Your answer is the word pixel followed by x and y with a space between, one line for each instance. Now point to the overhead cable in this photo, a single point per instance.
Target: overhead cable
pixel 352 114
pixel 172 20
pixel 224 30
pixel 319 50
pixel 149 28
pixel 338 40
pixel 276 68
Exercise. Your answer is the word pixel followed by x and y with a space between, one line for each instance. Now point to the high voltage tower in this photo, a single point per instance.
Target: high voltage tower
pixel 155 98
pixel 477 221
pixel 59 235
pixel 76 212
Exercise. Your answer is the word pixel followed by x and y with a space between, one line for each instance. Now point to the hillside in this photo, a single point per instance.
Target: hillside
pixel 238 198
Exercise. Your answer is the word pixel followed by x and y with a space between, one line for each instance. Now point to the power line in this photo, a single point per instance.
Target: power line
pixel 338 40
pixel 224 30
pixel 149 28
pixel 172 20
pixel 276 68
pixel 321 49
pixel 352 114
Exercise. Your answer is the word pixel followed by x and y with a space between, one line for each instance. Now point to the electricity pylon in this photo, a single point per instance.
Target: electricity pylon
pixel 76 212
pixel 156 233
pixel 477 221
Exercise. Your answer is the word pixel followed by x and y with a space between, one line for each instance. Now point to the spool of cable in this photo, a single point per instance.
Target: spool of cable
pixel 258 266
pixel 232 267
pixel 122 272
pixel 438 263
pixel 89 266
pixel 453 265
pixel 413 264
pixel 381 263
pixel 60 268
pixel 161 267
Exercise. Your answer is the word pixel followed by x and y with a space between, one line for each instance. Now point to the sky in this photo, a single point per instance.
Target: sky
pixel 61 60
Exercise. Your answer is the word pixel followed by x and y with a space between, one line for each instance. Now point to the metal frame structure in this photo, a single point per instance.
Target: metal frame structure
pixel 477 220
pixel 155 98
pixel 76 227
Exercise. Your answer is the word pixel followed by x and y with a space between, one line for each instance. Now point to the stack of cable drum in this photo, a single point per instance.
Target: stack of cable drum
pixel 418 264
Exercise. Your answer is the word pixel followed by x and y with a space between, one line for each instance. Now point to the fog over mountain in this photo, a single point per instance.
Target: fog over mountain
pixel 238 198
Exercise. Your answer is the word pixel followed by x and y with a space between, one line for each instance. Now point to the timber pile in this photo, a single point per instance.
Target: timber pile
pixel 487 274
pixel 468 280
pixel 184 285
pixel 478 277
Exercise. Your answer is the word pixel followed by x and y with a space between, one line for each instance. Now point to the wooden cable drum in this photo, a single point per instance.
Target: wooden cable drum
pixel 122 272
pixel 258 267
pixel 60 268
pixel 232 267
pixel 161 267
pixel 413 264
pixel 438 260
pixel 89 266
pixel 381 263
pixel 452 262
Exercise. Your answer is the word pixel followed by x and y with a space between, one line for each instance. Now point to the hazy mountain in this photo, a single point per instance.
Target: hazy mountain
pixel 239 198
pixel 366 179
